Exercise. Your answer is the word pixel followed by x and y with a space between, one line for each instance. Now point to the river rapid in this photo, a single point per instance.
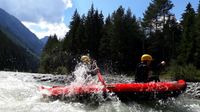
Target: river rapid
pixel 19 93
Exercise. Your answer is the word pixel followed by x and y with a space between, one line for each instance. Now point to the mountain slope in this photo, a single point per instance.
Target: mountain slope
pixel 17 32
pixel 15 57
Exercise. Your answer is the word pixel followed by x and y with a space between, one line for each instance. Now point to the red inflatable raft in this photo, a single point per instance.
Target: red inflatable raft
pixel 125 91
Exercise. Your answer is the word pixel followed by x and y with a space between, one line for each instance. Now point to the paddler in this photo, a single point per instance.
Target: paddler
pixel 90 63
pixel 144 70
pixel 93 69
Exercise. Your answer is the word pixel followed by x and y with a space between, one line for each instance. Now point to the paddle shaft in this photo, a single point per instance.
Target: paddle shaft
pixel 100 77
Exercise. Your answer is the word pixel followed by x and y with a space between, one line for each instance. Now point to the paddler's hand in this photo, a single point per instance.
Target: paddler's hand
pixel 162 62
pixel 96 69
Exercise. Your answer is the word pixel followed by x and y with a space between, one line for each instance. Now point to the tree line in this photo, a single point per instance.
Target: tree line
pixel 118 40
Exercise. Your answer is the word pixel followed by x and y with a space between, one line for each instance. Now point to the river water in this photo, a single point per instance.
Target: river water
pixel 19 93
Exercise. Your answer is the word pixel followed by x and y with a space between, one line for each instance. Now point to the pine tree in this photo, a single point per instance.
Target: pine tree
pixel 156 15
pixel 93 31
pixel 172 35
pixel 51 58
pixel 117 40
pixel 187 47
pixel 157 24
pixel 197 41
pixel 105 48
pixel 126 40
pixel 70 40
pixel 132 41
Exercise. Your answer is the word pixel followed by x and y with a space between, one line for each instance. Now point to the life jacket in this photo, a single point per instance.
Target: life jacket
pixel 142 72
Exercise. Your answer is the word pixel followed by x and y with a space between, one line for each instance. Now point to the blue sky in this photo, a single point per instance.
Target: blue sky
pixel 138 7
pixel 46 17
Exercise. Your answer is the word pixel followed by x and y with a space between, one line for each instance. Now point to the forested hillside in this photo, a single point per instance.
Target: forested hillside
pixel 15 57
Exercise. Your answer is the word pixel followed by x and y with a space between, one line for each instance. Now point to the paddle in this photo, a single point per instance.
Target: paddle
pixel 100 77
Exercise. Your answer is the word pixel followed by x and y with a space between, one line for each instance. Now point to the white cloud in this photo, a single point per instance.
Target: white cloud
pixel 68 3
pixel 44 28
pixel 34 10
pixel 42 17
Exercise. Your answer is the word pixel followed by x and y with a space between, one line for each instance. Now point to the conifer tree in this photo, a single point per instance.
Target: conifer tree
pixel 187 47
pixel 105 48
pixel 125 42
pixel 157 24
pixel 156 15
pixel 51 56
pixel 70 40
pixel 197 40
pixel 93 31
pixel 117 38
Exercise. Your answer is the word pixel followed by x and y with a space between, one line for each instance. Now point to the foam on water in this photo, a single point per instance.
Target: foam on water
pixel 19 93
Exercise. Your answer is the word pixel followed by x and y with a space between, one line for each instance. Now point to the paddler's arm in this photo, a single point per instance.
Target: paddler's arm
pixel 94 68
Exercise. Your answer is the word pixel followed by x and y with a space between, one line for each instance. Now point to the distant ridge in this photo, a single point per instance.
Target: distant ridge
pixel 44 40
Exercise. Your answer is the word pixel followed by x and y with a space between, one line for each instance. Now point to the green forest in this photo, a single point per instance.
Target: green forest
pixel 118 41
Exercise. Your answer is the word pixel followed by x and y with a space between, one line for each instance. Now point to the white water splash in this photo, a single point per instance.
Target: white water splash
pixel 80 75
pixel 82 78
